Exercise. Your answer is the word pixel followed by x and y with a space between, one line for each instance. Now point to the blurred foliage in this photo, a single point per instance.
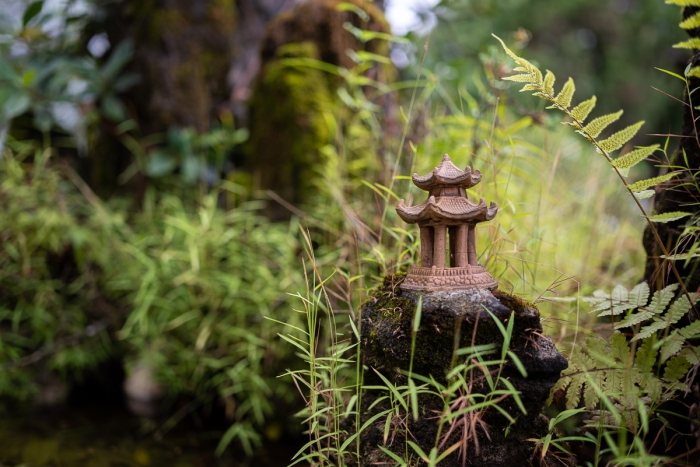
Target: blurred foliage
pixel 611 46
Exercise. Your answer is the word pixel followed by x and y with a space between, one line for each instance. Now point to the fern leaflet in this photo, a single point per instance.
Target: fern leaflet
pixel 644 184
pixel 599 124
pixel 617 140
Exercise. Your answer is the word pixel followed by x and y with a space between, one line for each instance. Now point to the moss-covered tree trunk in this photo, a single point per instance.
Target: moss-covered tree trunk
pixel 294 102
pixel 682 196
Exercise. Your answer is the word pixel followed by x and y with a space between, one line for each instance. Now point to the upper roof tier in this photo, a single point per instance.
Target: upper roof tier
pixel 447 174
pixel 455 208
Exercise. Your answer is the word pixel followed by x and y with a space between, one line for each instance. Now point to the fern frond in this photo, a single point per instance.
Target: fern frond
pixel 549 79
pixel 634 318
pixel 519 60
pixel 691 330
pixel 639 295
pixel 642 194
pixel 683 2
pixel 617 140
pixel 619 347
pixel 564 97
pixel 590 395
pixel 573 394
pixel 668 217
pixel 675 312
pixel 633 158
pixel 644 184
pixel 691 355
pixel 645 358
pixel 581 111
pixel 525 78
pixel 672 344
pixel 599 124
pixel 692 44
pixel 693 72
pixel 661 299
pixel 530 87
pixel 691 22
pixel 676 368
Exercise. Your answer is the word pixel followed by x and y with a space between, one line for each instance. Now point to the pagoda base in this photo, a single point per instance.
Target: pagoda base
pixel 469 277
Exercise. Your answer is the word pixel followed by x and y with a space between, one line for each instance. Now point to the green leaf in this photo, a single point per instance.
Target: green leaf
pixel 564 97
pixel 619 348
pixel 691 22
pixel 672 344
pixel 549 79
pixel 617 140
pixel 634 318
pixel 519 60
pixel 32 10
pixel 644 194
pixel 581 111
pixel 668 216
pixel 644 184
pixel 676 368
pixel 693 44
pixel 646 355
pixel 15 105
pixel 676 75
pixel 661 299
pixel 597 125
pixel 521 78
pixel 633 158
pixel 690 331
pixel 639 295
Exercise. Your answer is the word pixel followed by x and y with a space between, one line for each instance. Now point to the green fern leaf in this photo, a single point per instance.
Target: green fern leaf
pixel 668 217
pixel 519 60
pixel 650 329
pixel 693 72
pixel 563 382
pixel 691 355
pixel 581 111
pixel 573 394
pixel 661 299
pixel 646 357
pixel 564 97
pixel 639 295
pixel 619 348
pixel 644 184
pixel 530 87
pixel 676 368
pixel 672 344
pixel 633 319
pixel 549 79
pixel 643 194
pixel 598 350
pixel 633 158
pixel 653 388
pixel 617 140
pixel 692 44
pixel 677 310
pixel 521 78
pixel 599 124
pixel 691 22
pixel 683 2
pixel 590 395
pixel 521 69
pixel 690 331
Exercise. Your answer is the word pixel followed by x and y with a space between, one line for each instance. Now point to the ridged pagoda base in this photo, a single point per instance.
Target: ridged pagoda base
pixel 448 278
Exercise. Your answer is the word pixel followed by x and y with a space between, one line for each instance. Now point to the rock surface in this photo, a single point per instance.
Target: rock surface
pixel 451 320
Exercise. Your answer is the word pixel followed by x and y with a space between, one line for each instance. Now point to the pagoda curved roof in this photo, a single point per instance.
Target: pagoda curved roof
pixel 447 174
pixel 456 208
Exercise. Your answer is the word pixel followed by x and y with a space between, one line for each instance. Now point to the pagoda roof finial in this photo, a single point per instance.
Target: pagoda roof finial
pixel 447 174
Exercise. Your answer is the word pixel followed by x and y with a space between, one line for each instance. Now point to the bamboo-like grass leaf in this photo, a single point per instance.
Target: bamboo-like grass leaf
pixel 564 97
pixel 581 111
pixel 596 126
pixel 633 158
pixel 617 140
pixel 549 79
pixel 644 184
pixel 693 43
pixel 691 22
pixel 668 217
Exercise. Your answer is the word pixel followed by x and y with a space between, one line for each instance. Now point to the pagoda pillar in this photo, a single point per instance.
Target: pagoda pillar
pixel 460 255
pixel 471 244
pixel 426 246
pixel 439 246
pixel 452 233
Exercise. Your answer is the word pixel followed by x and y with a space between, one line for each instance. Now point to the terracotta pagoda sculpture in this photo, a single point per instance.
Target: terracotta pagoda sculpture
pixel 448 210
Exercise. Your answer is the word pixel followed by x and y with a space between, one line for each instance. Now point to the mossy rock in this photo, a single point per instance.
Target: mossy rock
pixel 450 320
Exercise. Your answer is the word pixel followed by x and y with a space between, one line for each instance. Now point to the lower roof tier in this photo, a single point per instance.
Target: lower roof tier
pixel 455 208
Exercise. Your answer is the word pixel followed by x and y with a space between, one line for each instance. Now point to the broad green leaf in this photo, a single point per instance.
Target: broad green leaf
pixel 644 184
pixel 32 10
pixel 668 217
pixel 581 111
pixel 596 126
pixel 617 140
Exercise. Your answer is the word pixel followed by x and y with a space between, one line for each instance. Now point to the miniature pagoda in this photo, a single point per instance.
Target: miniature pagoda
pixel 448 210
